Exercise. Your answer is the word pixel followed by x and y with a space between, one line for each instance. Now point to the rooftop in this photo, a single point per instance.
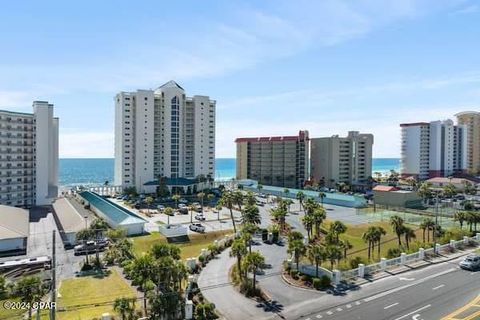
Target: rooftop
pixel 116 213
pixel 70 219
pixel 14 222
pixel 301 135
pixel 171 84
pixel 449 180
pixel 385 188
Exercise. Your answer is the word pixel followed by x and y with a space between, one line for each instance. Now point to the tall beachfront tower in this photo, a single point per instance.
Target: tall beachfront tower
pixel 342 159
pixel 163 133
pixel 29 156
pixel 471 119
pixel 276 161
pixel 433 149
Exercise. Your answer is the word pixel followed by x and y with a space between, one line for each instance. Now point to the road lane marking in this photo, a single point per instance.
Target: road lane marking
pixel 339 309
pixel 329 313
pixel 415 317
pixel 357 303
pixel 414 312
pixel 438 287
pixel 348 306
pixel 392 305
pixel 319 316
pixel 386 293
pixel 406 279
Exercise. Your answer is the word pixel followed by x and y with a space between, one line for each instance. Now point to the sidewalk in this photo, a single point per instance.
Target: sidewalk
pixel 412 266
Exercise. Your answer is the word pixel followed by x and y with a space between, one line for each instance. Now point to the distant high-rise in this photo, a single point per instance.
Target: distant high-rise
pixel 471 119
pixel 342 159
pixel 275 161
pixel 29 156
pixel 433 149
pixel 163 133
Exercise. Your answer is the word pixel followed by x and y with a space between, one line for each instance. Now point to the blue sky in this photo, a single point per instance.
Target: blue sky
pixel 274 67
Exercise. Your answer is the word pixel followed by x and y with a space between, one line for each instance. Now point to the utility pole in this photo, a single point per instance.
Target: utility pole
pixel 54 278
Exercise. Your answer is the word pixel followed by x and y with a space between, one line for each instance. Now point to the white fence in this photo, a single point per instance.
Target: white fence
pixel 368 270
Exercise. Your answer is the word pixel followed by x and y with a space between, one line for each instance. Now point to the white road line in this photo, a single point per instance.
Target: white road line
pixel 348 306
pixel 339 309
pixel 319 316
pixel 386 293
pixel 329 313
pixel 438 287
pixel 357 303
pixel 416 311
pixel 392 305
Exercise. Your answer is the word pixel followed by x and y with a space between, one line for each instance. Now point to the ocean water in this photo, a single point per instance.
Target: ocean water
pixel 98 171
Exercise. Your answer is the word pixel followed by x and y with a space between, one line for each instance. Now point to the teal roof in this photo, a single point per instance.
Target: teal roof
pixel 173 182
pixel 116 213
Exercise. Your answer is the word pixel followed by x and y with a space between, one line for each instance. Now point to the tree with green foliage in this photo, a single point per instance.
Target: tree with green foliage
pixel 205 311
pixel 369 237
pixel 296 246
pixel 169 212
pixel 238 250
pixel 238 199
pixel 337 228
pixel 319 215
pixel 308 222
pixel 254 261
pixel 300 197
pixel 334 254
pixel 279 215
pixel 322 196
pixel 259 188
pixel 286 191
pixel 30 290
pixel 409 235
pixel 316 253
pixel 449 190
pixel 397 224
pixel 228 200
pixel 379 233
pixel 461 217
pixel 247 231
pixel 142 269
pixel 175 198
pixel 125 307
pixel 251 214
pixel 425 190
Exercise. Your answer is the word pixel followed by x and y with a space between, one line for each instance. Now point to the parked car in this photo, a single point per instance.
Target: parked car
pixel 182 205
pixel 197 227
pixel 183 200
pixel 260 203
pixel 200 217
pixel 89 247
pixel 137 205
pixel 183 210
pixel 472 262
pixel 160 208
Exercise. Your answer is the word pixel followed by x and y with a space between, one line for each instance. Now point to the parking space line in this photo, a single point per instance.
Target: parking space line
pixel 392 305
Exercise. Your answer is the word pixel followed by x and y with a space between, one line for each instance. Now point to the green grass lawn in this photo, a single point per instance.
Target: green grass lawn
pixel 9 313
pixel 89 297
pixel 190 245
pixel 360 248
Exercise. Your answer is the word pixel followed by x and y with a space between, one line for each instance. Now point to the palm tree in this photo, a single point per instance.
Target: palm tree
pixel 168 211
pixel 424 227
pixel 238 250
pixel 247 232
pixel 191 208
pixel 31 291
pixel 449 190
pixel 424 191
pixel 461 217
pixel 346 245
pixel 308 222
pixel 125 307
pixel 369 237
pixel 333 254
pixel 379 233
pixel 316 254
pixel 297 248
pixel 321 195
pixel 254 261
pixel 227 200
pixel 319 215
pixel 205 311
pixel 251 214
pixel 430 224
pixel 201 196
pixel 175 198
pixel 279 214
pixel 397 224
pixel 337 228
pixel 238 199
pixel 286 191
pixel 142 271
pixel 85 235
pixel 300 197
pixel 409 234
pixel 259 188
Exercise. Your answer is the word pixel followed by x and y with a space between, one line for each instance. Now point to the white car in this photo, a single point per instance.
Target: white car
pixel 472 262
pixel 197 227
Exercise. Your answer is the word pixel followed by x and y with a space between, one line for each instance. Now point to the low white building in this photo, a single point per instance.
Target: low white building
pixel 69 221
pixel 14 229
pixel 116 216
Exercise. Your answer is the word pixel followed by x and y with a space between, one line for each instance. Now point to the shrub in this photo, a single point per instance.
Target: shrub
pixel 317 283
pixel 294 274
pixel 305 277
pixel 325 282
pixel 393 253
pixel 354 262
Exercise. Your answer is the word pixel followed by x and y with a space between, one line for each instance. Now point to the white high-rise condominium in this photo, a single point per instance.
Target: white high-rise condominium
pixel 29 156
pixel 163 133
pixel 433 149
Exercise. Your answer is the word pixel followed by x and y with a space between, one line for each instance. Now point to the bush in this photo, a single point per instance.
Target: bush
pixel 294 274
pixel 354 262
pixel 325 282
pixel 317 283
pixel 305 277
pixel 393 253
pixel 86 267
